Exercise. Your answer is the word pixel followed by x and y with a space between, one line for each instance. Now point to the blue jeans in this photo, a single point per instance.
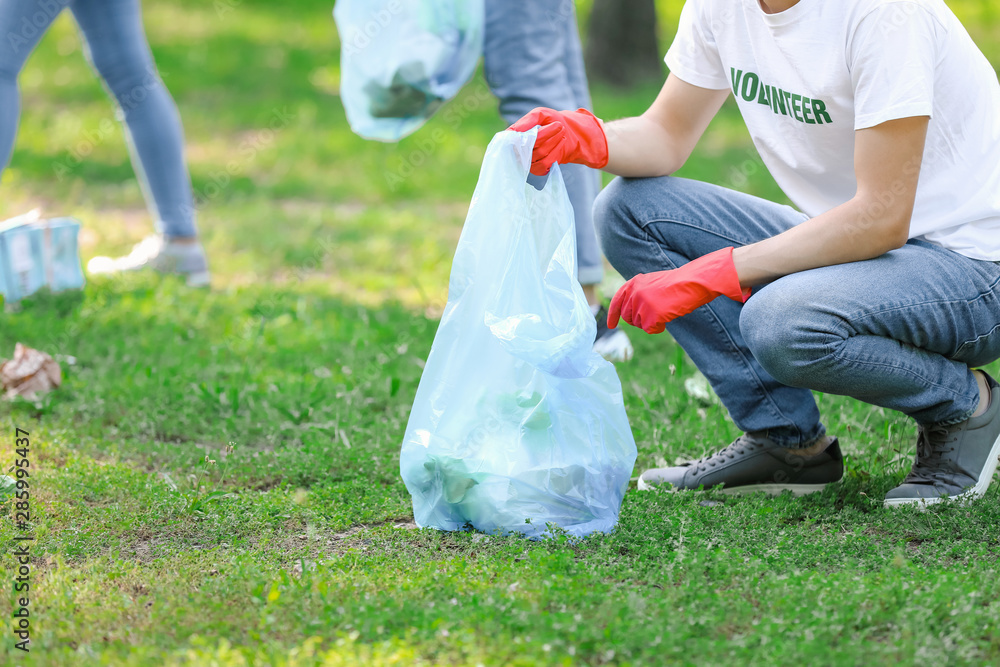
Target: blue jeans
pixel 532 58
pixel 900 331
pixel 117 49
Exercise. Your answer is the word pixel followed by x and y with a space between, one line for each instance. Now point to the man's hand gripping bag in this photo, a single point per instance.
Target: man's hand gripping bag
pixel 517 422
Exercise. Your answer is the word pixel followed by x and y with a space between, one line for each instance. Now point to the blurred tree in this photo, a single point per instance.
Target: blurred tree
pixel 622 48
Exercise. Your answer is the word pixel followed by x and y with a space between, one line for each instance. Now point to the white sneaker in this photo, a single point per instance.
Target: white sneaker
pixel 154 252
pixel 612 344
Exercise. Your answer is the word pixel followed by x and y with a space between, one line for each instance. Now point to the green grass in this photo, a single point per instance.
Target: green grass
pixel 216 482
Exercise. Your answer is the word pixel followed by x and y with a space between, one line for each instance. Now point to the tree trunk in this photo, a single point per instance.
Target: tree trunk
pixel 622 48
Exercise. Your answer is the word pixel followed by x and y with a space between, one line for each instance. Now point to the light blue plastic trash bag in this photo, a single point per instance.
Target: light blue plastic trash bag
pixel 400 60
pixel 517 422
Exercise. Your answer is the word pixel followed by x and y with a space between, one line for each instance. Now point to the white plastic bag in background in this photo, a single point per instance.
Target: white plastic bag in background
pixel 400 60
pixel 517 422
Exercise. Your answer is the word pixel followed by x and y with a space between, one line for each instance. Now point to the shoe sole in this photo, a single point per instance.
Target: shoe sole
pixel 611 349
pixel 198 279
pixel 769 489
pixel 977 491
pixel 195 279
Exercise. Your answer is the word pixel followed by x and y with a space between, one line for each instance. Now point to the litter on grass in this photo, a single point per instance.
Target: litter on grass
pixel 29 373
pixel 8 487
pixel 698 388
pixel 36 252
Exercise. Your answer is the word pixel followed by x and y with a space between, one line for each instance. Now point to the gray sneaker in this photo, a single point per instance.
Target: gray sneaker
pixel 155 252
pixel 953 462
pixel 756 463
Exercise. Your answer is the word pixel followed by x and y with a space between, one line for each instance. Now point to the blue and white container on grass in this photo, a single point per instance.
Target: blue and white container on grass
pixel 37 253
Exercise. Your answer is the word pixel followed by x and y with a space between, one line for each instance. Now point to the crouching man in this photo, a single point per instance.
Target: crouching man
pixel 878 120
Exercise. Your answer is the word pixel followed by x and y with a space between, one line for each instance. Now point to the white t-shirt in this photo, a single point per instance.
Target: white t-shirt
pixel 806 78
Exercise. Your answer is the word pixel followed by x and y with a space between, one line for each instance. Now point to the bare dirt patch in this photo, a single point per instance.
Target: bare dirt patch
pixel 292 541
pixel 318 544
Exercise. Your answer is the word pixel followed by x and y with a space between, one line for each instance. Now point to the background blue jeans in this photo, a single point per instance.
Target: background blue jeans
pixel 900 331
pixel 532 58
pixel 117 49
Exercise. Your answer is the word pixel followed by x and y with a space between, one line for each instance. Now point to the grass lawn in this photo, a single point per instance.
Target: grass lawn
pixel 216 483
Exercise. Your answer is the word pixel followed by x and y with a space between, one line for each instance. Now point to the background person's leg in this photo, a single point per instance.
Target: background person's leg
pixel 899 331
pixel 117 48
pixel 655 224
pixel 582 183
pixel 22 24
pixel 533 58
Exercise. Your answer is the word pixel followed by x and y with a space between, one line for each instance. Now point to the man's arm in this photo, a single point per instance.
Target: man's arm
pixel 876 220
pixel 658 142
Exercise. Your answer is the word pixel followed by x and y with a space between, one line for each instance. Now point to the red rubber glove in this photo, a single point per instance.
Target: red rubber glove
pixel 565 137
pixel 650 300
